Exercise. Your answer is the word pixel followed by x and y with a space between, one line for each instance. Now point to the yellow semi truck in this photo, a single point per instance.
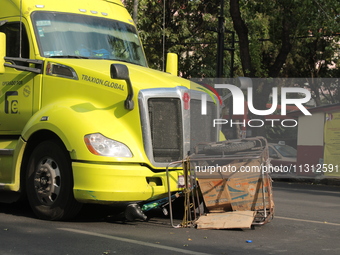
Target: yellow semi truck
pixel 82 117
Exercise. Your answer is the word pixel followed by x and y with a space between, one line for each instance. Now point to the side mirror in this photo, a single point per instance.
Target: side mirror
pixel 121 72
pixel 172 63
pixel 2 52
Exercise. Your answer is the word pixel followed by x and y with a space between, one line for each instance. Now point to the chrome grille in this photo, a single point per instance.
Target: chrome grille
pixel 166 129
pixel 170 128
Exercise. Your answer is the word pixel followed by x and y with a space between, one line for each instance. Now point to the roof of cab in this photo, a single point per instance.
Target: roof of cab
pixel 106 8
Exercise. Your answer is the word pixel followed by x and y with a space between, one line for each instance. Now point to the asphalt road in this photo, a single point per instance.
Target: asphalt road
pixel 307 221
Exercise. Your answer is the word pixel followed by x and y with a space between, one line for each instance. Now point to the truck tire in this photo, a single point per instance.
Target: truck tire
pixel 232 147
pixel 49 182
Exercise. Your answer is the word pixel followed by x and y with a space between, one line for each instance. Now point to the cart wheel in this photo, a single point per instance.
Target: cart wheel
pixel 219 148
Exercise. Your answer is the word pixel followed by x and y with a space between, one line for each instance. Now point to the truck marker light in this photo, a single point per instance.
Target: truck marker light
pixel 40 6
pixel 186 100
pixel 89 146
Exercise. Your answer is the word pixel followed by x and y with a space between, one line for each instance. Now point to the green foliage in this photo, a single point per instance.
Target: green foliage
pixel 287 38
pixel 186 31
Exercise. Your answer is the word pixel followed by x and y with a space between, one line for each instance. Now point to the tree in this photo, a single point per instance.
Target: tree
pixel 184 28
pixel 271 33
pixel 275 38
pixel 314 58
pixel 285 23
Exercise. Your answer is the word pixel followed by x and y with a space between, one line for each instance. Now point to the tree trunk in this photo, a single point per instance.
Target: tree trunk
pixel 286 45
pixel 242 32
pixel 135 11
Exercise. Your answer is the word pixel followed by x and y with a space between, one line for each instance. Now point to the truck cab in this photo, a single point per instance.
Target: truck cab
pixel 82 117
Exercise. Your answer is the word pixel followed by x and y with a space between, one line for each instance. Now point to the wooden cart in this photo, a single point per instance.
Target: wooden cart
pixel 231 180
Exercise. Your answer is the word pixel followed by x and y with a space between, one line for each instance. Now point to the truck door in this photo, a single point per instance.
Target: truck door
pixel 16 95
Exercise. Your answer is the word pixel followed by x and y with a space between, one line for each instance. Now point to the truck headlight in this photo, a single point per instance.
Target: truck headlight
pixel 101 145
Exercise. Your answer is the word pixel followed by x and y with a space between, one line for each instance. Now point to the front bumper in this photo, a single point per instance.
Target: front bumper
pixel 107 184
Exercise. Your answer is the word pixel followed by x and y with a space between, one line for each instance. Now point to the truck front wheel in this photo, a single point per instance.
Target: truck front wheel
pixel 49 182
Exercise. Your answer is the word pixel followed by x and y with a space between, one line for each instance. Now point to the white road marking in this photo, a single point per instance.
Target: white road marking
pixel 310 221
pixel 158 246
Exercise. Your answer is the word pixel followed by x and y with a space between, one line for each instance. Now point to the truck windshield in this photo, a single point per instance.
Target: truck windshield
pixel 68 35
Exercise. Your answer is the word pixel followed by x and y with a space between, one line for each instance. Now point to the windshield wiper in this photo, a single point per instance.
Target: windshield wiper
pixel 69 56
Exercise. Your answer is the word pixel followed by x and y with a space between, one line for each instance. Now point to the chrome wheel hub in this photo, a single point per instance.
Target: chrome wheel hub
pixel 47 181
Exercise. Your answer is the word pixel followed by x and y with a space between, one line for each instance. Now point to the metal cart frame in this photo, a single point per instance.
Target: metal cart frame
pixel 258 152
